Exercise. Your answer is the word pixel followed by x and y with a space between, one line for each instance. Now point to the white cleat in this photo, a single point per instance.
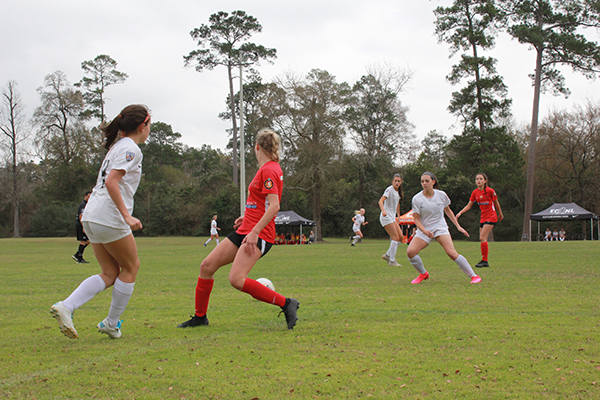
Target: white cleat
pixel 114 333
pixel 65 320
pixel 393 263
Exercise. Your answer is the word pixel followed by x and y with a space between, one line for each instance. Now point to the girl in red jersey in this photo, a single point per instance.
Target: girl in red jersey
pixel 486 197
pixel 252 239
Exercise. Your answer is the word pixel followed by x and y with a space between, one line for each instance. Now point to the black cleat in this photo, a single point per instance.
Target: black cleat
pixel 289 310
pixel 82 261
pixel 194 321
pixel 482 264
pixel 75 257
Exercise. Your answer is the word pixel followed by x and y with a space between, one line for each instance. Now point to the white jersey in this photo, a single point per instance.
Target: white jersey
pixel 390 204
pixel 359 221
pixel 431 211
pixel 123 155
pixel 213 227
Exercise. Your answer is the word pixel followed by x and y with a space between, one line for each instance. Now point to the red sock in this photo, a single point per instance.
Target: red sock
pixel 484 251
pixel 203 289
pixel 262 293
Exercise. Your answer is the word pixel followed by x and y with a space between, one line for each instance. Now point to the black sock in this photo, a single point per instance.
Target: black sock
pixel 81 249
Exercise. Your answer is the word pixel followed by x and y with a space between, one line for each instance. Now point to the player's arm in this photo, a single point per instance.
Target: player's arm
pixel 252 238
pixel 500 214
pixel 112 186
pixel 452 217
pixel 464 210
pixel 381 200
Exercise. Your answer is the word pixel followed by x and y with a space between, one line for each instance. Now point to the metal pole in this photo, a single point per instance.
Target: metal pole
pixel 242 149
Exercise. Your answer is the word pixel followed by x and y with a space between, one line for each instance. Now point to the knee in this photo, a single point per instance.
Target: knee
pixel 453 254
pixel 237 281
pixel 411 253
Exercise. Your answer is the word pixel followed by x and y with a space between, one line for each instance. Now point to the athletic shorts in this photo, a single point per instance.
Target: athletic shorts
pixel 487 223
pixel 386 220
pixel 436 233
pixel 213 232
pixel 81 236
pixel 104 234
pixel 262 245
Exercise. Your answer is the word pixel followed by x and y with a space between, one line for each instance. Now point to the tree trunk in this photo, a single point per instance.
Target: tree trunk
pixel 234 157
pixel 16 229
pixel 532 146
pixel 316 205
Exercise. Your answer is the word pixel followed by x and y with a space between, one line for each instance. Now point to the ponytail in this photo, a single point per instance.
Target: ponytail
pixel 270 142
pixel 128 121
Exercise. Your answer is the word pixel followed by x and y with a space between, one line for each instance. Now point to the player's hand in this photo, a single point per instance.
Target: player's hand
pixel 238 222
pixel 458 215
pixel 384 213
pixel 500 217
pixel 251 240
pixel 134 223
pixel 463 231
pixel 429 234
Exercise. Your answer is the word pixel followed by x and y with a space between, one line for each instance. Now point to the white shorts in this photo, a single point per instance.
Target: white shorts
pixel 386 220
pixel 104 234
pixel 436 233
pixel 213 232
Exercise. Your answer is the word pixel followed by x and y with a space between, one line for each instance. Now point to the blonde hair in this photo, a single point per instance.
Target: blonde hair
pixel 270 142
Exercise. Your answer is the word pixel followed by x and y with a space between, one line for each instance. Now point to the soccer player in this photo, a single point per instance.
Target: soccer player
pixel 213 231
pixel 81 237
pixel 357 221
pixel 429 207
pixel 252 239
pixel 108 223
pixel 389 204
pixel 488 203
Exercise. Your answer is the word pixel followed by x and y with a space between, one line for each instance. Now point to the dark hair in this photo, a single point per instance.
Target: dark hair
pixel 86 193
pixel 436 185
pixel 484 177
pixel 129 120
pixel 400 190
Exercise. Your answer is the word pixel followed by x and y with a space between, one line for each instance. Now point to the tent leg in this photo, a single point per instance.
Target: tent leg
pixel 530 230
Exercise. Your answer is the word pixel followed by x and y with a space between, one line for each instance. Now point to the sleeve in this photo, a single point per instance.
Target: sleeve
pixel 126 157
pixel 415 205
pixel 447 201
pixel 269 178
pixel 473 197
pixel 492 194
pixel 387 192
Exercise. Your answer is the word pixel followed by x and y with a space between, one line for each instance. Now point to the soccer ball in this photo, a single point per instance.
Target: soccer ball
pixel 266 282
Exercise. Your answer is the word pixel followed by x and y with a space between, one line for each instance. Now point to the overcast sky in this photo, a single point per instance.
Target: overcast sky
pixel 148 39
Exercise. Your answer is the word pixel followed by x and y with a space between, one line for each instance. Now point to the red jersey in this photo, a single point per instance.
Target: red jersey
pixel 268 180
pixel 485 198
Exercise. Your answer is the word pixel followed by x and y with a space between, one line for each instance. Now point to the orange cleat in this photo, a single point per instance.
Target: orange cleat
pixel 475 279
pixel 420 278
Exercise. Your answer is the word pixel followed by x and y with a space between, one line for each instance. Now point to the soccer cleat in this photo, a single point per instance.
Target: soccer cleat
pixel 82 261
pixel 65 320
pixel 193 322
pixel 289 310
pixel 74 256
pixel 475 279
pixel 352 244
pixel 204 244
pixel 482 264
pixel 114 333
pixel 386 257
pixel 393 263
pixel 420 278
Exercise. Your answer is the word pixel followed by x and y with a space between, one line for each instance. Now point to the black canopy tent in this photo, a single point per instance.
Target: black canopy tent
pixel 293 219
pixel 564 212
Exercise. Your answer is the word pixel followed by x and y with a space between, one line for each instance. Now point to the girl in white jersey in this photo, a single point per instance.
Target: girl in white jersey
pixel 389 204
pixel 108 223
pixel 429 207
pixel 213 231
pixel 357 221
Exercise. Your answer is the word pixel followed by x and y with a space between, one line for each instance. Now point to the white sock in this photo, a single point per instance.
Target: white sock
pixel 217 242
pixel 464 266
pixel 207 241
pixel 392 250
pixel 418 264
pixel 120 297
pixel 84 292
pixel 355 239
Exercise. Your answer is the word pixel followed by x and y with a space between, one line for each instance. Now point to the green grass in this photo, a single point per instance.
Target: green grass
pixel 529 330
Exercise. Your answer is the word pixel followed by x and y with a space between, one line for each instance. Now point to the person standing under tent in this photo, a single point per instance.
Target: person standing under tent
pixel 357 221
pixel 488 203
pixel 213 231
pixel 108 223
pixel 252 239
pixel 429 207
pixel 389 204
pixel 81 237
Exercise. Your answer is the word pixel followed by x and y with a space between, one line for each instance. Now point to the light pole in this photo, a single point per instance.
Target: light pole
pixel 242 149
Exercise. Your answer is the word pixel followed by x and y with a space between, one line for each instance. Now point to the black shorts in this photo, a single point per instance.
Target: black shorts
pixel 262 245
pixel 487 223
pixel 81 236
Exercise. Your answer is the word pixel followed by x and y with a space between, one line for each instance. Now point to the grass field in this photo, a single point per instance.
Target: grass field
pixel 531 329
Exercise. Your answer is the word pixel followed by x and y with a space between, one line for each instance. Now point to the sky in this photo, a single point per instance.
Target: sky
pixel 149 39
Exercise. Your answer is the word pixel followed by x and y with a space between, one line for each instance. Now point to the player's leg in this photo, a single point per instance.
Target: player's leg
pixel 484 233
pixel 414 248
pixel 448 245
pixel 395 233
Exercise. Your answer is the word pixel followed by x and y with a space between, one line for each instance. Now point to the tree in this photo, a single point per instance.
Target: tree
pixel 312 133
pixel 224 42
pixel 470 25
pixel 66 145
pixel 12 118
pixel 102 73
pixel 554 29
